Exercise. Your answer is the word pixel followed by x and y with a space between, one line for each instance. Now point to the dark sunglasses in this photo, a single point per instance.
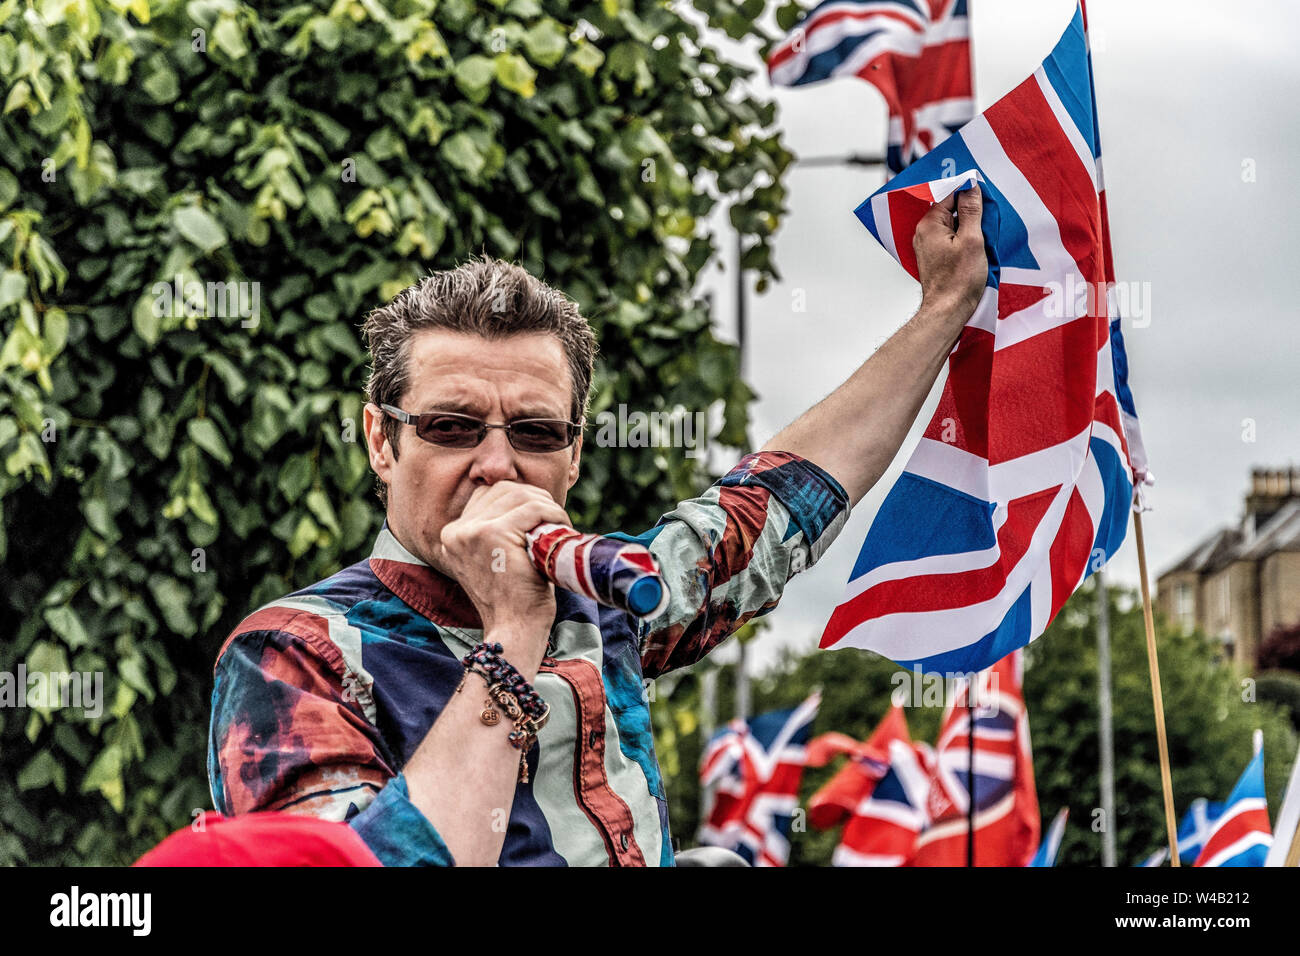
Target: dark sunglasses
pixel 451 430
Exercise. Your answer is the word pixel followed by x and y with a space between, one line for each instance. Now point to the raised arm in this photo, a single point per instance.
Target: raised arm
pixel 855 432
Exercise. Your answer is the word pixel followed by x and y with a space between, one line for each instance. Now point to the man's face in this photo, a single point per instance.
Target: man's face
pixel 498 381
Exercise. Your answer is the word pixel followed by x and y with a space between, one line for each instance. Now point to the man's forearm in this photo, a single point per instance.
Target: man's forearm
pixel 462 776
pixel 855 432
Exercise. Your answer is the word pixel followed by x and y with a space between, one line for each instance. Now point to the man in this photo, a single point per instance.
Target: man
pixel 341 701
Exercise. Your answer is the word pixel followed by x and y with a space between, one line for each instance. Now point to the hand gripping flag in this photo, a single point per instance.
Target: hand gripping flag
pixel 916 52
pixel 755 767
pixel 1020 487
pixel 1241 835
pixel 1006 802
pixel 882 791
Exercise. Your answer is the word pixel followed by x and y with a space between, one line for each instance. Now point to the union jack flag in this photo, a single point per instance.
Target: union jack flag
pixel 882 793
pixel 1020 487
pixel 1241 835
pixel 915 52
pixel 1006 802
pixel 755 767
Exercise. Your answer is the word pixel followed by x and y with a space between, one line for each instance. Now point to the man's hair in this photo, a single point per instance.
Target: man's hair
pixel 485 297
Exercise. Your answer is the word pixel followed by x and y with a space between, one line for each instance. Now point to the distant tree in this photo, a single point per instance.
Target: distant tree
pixel 1281 649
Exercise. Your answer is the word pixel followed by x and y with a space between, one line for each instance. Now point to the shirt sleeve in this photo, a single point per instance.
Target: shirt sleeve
pixel 726 556
pixel 287 734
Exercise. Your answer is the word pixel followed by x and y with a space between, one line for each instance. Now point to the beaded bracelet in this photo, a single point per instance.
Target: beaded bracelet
pixel 508 690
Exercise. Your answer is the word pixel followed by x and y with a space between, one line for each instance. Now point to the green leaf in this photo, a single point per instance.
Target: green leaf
pixel 304 536
pixel 8 188
pixel 105 775
pixel 147 325
pixel 546 42
pixel 173 602
pixel 203 432
pixel 13 288
pixel 161 84
pixel 474 75
pixel 320 507
pixel 587 58
pixel 198 503
pixel 295 477
pixel 65 622
pixel 514 73
pixel 461 152
pixel 199 227
pixel 131 670
pixel 228 37
pixel 41 771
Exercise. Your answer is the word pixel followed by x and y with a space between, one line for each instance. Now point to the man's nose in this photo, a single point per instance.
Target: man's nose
pixel 494 459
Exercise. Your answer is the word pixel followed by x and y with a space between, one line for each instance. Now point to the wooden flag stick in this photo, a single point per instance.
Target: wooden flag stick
pixel 1293 854
pixel 1166 780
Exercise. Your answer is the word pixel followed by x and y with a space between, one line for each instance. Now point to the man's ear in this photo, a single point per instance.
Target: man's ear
pixel 577 456
pixel 381 452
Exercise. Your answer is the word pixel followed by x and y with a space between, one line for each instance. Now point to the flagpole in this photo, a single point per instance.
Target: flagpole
pixel 742 335
pixel 1166 780
pixel 970 774
pixel 1105 727
pixel 708 724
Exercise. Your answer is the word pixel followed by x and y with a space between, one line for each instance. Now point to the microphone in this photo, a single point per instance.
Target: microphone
pixel 618 574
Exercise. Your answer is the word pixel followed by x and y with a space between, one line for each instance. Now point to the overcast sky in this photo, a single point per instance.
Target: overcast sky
pixel 1188 91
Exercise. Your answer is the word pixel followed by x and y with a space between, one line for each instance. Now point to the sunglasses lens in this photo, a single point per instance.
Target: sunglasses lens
pixel 452 431
pixel 540 435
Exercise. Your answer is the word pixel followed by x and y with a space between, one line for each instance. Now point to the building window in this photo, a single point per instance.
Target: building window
pixel 1185 605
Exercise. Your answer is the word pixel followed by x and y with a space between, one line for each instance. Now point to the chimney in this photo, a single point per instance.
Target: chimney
pixel 1270 489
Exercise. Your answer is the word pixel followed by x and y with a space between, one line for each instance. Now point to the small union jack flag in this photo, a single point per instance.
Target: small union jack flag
pixel 1006 802
pixel 881 792
pixel 915 52
pixel 755 767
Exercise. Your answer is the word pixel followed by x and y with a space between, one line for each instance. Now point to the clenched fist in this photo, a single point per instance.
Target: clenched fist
pixel 484 550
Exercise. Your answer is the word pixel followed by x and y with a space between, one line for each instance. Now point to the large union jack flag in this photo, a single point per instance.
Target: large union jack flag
pixel 916 52
pixel 1021 485
pixel 1241 834
pixel 1006 801
pixel 755 767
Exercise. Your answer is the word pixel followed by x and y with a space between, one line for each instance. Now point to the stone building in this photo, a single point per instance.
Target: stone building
pixel 1240 584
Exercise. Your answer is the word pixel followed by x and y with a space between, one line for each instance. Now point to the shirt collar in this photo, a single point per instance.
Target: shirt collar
pixel 425 589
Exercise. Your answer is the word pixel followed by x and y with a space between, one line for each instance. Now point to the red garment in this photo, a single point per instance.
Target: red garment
pixel 270 838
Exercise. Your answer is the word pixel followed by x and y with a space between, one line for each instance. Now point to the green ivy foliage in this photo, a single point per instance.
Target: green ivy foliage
pixel 167 467
pixel 1211 713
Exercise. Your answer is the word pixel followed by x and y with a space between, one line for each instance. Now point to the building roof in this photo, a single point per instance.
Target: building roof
pixel 1215 552
pixel 1280 533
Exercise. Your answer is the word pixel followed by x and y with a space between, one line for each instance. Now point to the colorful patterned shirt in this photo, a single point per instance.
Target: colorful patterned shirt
pixel 323 696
